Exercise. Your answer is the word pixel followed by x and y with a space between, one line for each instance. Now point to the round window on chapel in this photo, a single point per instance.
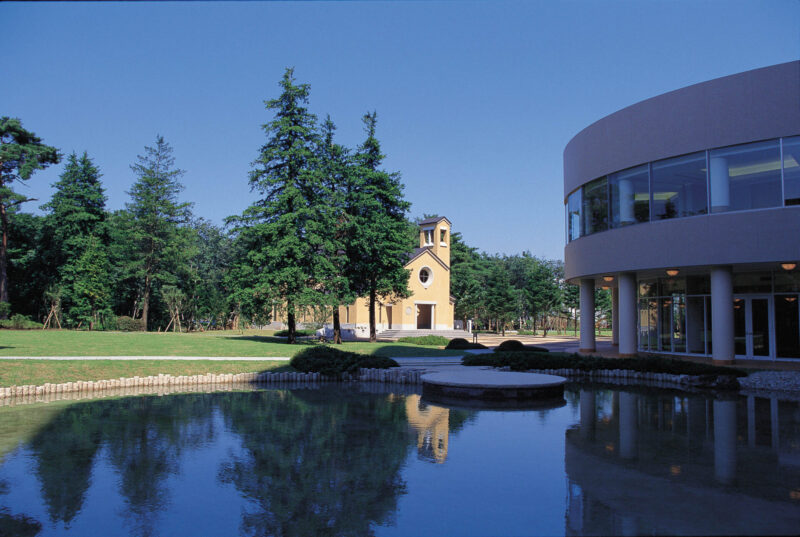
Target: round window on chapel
pixel 424 275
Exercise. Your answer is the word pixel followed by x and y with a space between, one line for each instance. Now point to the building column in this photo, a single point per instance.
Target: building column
pixel 628 425
pixel 615 316
pixel 725 441
pixel 588 414
pixel 587 315
pixel 722 351
pixel 626 283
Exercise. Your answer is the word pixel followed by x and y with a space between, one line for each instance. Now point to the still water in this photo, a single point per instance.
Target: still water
pixel 372 461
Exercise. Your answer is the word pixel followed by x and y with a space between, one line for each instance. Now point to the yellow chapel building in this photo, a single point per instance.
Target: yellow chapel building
pixel 430 305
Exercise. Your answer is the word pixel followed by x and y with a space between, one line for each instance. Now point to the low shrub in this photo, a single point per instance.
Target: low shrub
pixel 129 324
pixel 20 322
pixel 526 333
pixel 461 344
pixel 332 362
pixel 298 333
pixel 510 345
pixel 5 309
pixel 438 341
pixel 523 361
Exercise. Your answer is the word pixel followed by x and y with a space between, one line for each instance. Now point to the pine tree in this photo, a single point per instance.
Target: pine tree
pixel 21 154
pixel 89 282
pixel 502 297
pixel 378 238
pixel 76 212
pixel 336 167
pixel 284 234
pixel 157 244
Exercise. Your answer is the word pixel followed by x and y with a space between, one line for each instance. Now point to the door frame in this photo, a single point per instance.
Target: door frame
pixel 748 323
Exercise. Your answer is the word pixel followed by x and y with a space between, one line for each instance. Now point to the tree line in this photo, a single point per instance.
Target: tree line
pixel 327 224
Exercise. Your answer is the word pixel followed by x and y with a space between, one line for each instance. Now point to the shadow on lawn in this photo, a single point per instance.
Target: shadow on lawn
pixel 260 339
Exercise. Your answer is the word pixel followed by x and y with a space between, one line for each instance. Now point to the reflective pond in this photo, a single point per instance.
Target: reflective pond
pixel 371 461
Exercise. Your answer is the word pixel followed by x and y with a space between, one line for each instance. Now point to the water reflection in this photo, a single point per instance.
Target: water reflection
pixel 333 461
pixel 656 462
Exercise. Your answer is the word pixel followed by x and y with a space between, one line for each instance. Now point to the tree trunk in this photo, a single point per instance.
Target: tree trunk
pixel 337 326
pixel 373 335
pixel 146 301
pixel 292 338
pixel 3 261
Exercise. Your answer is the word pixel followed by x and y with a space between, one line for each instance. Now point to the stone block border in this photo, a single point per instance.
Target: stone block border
pixel 399 376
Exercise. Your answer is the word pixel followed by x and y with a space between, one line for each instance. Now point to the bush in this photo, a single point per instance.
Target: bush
pixel 523 361
pixel 129 324
pixel 425 340
pixel 20 322
pixel 510 345
pixel 461 344
pixel 5 309
pixel 332 362
pixel 298 333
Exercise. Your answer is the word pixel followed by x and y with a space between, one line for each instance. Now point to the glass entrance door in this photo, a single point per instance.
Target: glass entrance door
pixel 753 326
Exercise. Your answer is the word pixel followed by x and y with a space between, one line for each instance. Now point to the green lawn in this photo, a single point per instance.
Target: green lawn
pixel 228 343
pixel 38 372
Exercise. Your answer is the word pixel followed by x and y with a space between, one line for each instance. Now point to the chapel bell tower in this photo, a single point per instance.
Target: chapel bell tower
pixel 434 233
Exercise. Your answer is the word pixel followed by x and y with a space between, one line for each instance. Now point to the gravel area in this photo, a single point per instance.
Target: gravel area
pixel 780 383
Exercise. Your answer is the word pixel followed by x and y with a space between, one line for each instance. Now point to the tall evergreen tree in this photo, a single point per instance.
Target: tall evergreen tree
pixel 89 286
pixel 157 245
pixel 502 297
pixel 378 238
pixel 284 237
pixel 336 168
pixel 76 213
pixel 21 154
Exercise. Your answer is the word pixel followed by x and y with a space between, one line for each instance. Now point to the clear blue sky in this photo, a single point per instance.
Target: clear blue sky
pixel 475 100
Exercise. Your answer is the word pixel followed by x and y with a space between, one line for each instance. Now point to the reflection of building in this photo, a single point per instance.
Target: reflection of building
pixel 688 206
pixel 432 426
pixel 640 464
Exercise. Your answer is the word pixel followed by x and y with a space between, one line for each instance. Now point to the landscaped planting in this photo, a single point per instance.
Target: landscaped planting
pixel 333 362
pixel 431 341
pixel 524 361
pixel 462 344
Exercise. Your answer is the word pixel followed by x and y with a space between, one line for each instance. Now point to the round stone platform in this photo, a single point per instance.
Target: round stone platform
pixel 492 385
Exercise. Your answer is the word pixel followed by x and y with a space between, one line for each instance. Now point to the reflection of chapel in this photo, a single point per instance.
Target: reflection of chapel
pixel 430 306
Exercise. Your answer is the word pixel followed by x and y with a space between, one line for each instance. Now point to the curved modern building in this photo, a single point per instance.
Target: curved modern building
pixel 688 206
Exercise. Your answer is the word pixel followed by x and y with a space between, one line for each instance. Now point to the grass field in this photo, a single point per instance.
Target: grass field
pixel 251 344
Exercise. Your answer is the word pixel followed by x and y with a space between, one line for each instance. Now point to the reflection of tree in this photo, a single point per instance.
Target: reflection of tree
pixel 317 463
pixel 17 525
pixel 145 437
pixel 64 450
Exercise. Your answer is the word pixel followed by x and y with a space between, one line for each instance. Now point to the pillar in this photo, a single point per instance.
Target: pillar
pixel 720 185
pixel 587 414
pixel 725 441
pixel 628 426
pixel 751 421
pixel 615 316
pixel 626 283
pixel 722 351
pixel 587 315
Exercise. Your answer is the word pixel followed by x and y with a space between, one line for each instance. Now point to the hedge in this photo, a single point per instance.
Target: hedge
pixel 285 333
pixel 523 361
pixel 438 341
pixel 461 344
pixel 332 362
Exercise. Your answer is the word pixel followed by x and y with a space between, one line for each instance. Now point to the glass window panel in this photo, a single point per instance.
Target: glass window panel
pixel 672 285
pixel 629 196
pixel 695 324
pixel 739 326
pixel 791 170
pixel 745 177
pixel 644 326
pixel 752 282
pixel 595 206
pixel 679 187
pixel 787 281
pixel 648 288
pixel 664 323
pixel 708 325
pixel 678 323
pixel 698 285
pixel 574 215
pixel 787 326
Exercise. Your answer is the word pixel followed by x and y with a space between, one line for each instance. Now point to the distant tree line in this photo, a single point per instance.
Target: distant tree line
pixel 328 224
